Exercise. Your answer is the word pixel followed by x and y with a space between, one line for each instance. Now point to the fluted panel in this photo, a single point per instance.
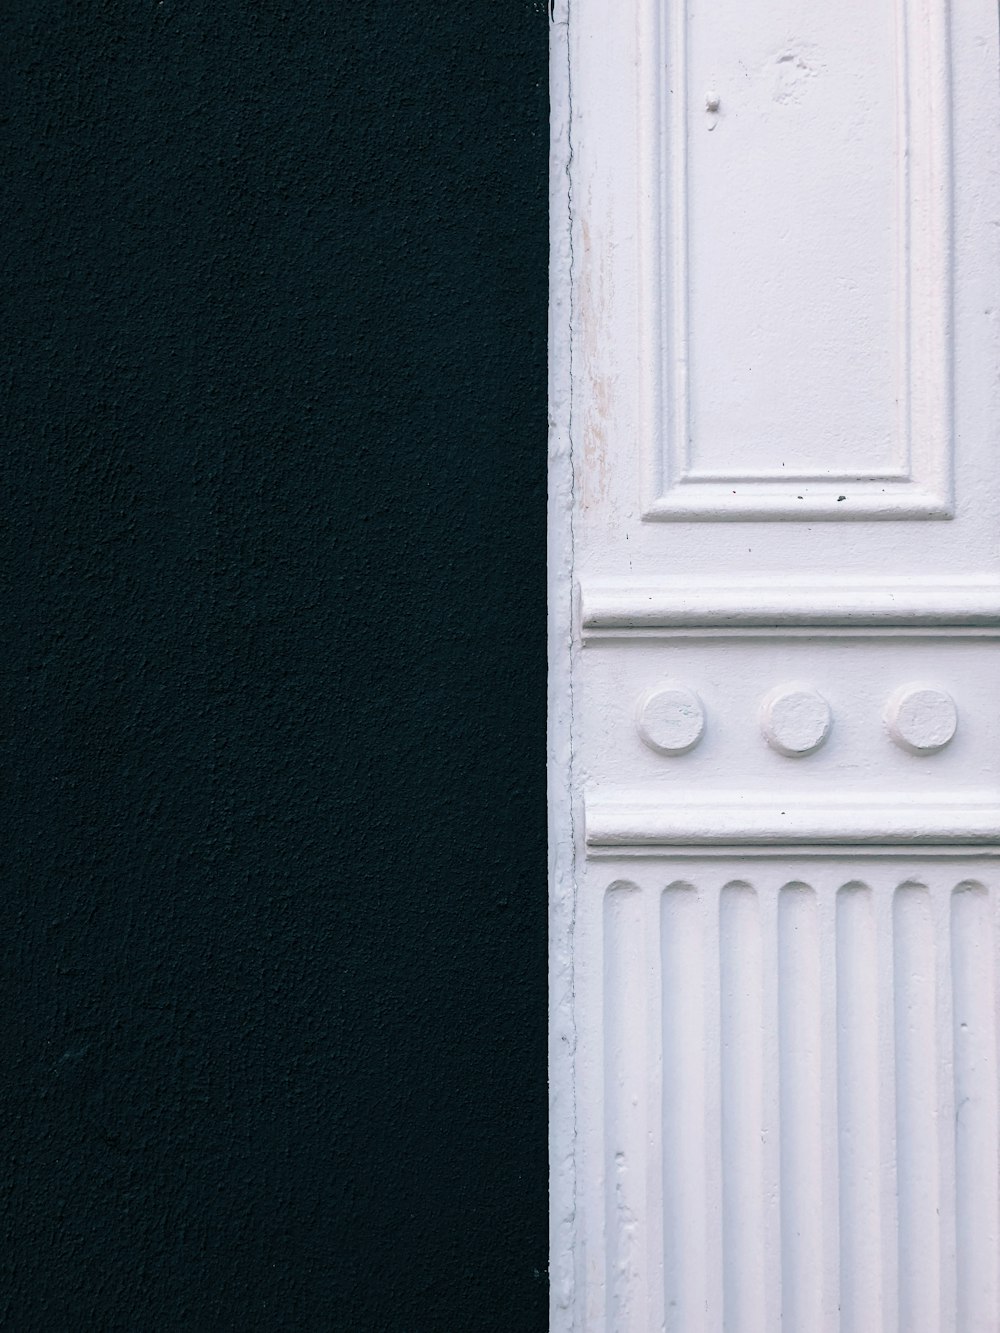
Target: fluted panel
pixel 821 1153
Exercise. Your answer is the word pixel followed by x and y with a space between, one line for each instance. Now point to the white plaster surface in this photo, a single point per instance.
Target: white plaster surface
pixel 774 745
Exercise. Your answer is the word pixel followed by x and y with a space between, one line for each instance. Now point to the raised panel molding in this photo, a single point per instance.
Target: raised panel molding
pixel 792 376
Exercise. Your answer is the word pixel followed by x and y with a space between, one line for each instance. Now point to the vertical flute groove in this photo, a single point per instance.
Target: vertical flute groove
pixel 742 1057
pixel 685 1221
pixel 917 1153
pixel 711 1160
pixel 858 1118
pixel 801 1108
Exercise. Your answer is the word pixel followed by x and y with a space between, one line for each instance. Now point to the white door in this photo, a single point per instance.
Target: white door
pixel 775 638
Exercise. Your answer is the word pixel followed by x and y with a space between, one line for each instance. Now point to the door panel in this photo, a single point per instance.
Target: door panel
pixel 775 609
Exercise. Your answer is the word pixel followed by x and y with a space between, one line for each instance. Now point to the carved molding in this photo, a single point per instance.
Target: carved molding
pixel 905 476
pixel 956 603
pixel 796 1075
pixel 624 819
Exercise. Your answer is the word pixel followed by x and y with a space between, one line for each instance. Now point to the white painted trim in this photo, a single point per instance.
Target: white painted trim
pixel 774 981
pixel 739 818
pixel 960 602
pixel 563 1249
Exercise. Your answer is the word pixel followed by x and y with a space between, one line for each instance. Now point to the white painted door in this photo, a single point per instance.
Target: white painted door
pixel 775 638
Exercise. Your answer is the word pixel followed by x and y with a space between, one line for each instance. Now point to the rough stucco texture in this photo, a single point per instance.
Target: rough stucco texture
pixel 272 921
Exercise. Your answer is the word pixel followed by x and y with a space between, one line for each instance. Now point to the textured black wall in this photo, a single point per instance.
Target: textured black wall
pixel 272 912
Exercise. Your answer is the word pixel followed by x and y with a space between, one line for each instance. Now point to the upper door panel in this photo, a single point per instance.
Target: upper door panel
pixel 780 321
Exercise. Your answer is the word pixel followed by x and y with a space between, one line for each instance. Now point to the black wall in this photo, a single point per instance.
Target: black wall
pixel 272 909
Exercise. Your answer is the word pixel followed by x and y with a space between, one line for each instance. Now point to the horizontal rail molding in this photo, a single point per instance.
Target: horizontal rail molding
pixel 729 818
pixel 956 603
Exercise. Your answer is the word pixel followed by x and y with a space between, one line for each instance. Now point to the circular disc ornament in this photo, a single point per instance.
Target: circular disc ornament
pixel 795 719
pixel 670 719
pixel 921 719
